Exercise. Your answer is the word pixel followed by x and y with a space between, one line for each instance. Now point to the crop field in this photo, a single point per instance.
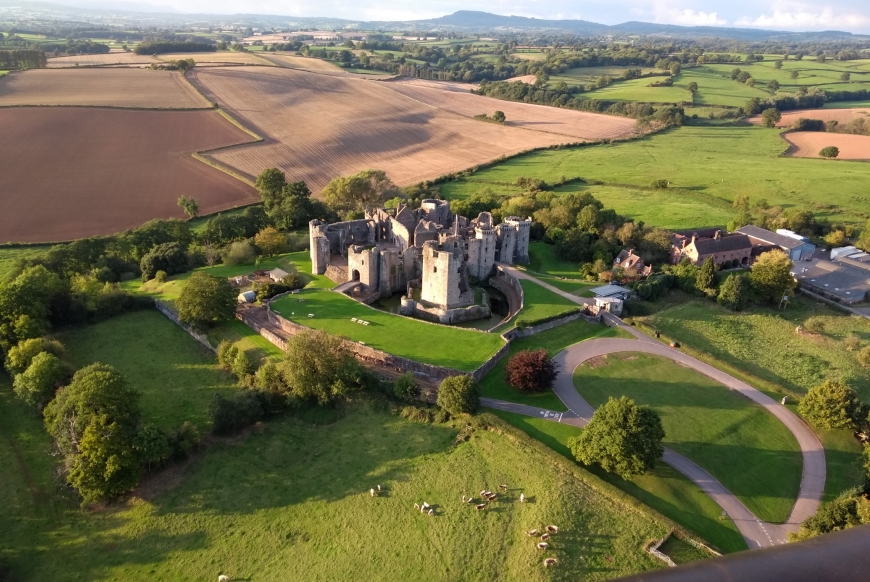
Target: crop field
pixel 109 59
pixel 807 144
pixel 174 373
pixel 840 115
pixel 78 172
pixel 321 126
pixel 292 499
pixel 292 61
pixel 216 58
pixel 746 448
pixel 110 87
pixel 588 75
pixel 402 336
pixel 457 98
pixel 701 164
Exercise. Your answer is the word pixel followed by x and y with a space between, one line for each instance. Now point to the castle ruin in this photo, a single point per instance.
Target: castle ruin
pixel 429 255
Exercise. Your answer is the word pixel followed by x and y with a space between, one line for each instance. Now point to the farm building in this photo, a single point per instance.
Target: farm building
pixel 796 246
pixel 277 275
pixel 726 250
pixel 845 278
pixel 247 297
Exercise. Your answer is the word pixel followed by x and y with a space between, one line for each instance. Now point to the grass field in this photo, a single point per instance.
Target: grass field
pixel 292 499
pixel 554 341
pixel 702 165
pixel 745 448
pixel 664 489
pixel 798 362
pixel 543 259
pixel 175 374
pixel 682 552
pixel 402 336
pixel 8 256
pixel 540 303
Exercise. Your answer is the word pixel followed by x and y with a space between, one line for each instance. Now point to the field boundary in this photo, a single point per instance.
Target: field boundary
pixel 170 314
pixel 116 107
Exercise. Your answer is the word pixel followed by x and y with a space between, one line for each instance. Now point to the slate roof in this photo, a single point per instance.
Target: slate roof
pixel 779 240
pixel 734 242
pixel 843 280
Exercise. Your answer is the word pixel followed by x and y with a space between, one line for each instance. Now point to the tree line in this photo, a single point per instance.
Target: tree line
pixel 22 59
pixel 170 46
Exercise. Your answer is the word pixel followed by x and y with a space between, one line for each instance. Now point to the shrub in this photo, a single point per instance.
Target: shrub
pixel 458 395
pixel 168 257
pixel 815 324
pixel 231 415
pixel 405 387
pixel 832 405
pixel 852 342
pixel 243 366
pixel 809 125
pixel 183 441
pixel 19 357
pixel 152 446
pixel 830 152
pixel 240 253
pixel 531 370
pixel 226 354
pixel 36 385
pixel 660 184
pixel 732 293
pixel 160 276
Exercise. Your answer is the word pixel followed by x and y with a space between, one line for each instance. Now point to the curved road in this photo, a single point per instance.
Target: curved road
pixel 757 534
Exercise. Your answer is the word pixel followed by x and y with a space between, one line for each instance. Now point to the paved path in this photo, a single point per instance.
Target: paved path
pixel 757 534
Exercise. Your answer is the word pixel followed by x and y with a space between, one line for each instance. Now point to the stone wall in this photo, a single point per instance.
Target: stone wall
pixel 336 274
pixel 526 332
pixel 166 310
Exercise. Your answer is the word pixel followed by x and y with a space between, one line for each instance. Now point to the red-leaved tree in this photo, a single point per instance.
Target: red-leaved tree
pixel 531 370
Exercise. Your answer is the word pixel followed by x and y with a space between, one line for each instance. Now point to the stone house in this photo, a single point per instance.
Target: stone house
pixel 632 264
pixel 726 250
pixel 797 247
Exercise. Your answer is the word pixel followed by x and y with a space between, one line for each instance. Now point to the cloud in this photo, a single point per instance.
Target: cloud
pixel 794 16
pixel 689 17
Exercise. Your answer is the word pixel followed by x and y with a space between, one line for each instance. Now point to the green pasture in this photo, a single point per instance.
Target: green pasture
pixel 9 255
pixel 292 498
pixel 554 341
pixel 682 552
pixel 705 165
pixel 543 259
pixel 664 489
pixel 713 89
pixel 799 360
pixel 638 90
pixel 746 448
pixel 402 336
pixel 175 374
pixel 539 303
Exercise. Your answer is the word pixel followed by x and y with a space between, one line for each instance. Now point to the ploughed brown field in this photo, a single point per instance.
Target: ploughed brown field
pixel 319 126
pixel 457 98
pixel 216 58
pixel 103 87
pixel 109 59
pixel 842 116
pixel 305 63
pixel 808 144
pixel 78 172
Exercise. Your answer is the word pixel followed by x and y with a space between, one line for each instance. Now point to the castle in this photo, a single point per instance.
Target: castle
pixel 429 255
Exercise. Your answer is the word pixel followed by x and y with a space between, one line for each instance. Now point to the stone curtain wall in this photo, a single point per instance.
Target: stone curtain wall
pixel 166 310
pixel 526 332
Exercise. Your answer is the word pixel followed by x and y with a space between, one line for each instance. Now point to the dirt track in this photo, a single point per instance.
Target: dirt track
pixel 807 144
pixel 77 172
pixel 106 87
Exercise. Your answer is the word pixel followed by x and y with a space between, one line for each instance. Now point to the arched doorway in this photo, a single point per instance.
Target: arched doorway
pixel 354 275
pixel 745 261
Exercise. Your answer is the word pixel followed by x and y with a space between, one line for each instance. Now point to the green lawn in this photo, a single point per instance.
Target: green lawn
pixel 747 449
pixel 292 499
pixel 8 256
pixel 707 165
pixel 539 303
pixel 543 259
pixel 175 374
pixel 440 345
pixel 682 552
pixel 664 489
pixel 554 341
pixel 798 362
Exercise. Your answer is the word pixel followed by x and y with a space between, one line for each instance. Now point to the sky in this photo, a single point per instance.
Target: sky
pixel 849 15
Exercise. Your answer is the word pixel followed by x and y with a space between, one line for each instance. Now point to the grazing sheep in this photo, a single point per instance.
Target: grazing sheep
pixel 425 505
pixel 552 529
pixel 545 537
pixel 417 506
pixel 481 506
pixel 431 512
pixel 491 497
pixel 372 491
pixel 543 546
pixel 532 532
pixel 470 500
pixel 379 488
pixel 484 492
pixel 550 562
pixel 504 487
pixel 223 578
pixel 463 499
pixel 522 497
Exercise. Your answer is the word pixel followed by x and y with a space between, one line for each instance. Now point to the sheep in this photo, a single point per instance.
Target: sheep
pixel 417 506
pixel 532 532
pixel 552 529
pixel 379 488
pixel 483 493
pixel 545 537
pixel 491 497
pixel 504 487
pixel 223 578
pixel 463 499
pixel 431 512
pixel 550 562
pixel 372 491
pixel 522 497
pixel 481 506
pixel 470 500
pixel 425 505
pixel 543 546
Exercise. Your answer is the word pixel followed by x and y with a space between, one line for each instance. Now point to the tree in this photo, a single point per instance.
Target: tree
pixel 366 189
pixel 169 257
pixel 243 366
pixel 771 276
pixel 499 116
pixel 459 395
pixel 270 183
pixel 692 87
pixel 25 305
pixel 622 437
pixel 836 238
pixel 190 206
pixel 795 74
pixel 845 77
pixel 206 300
pixel 36 385
pixel 777 64
pixel 773 86
pixel 107 464
pixel 770 117
pixel 20 356
pixel 732 293
pixel 706 278
pixel 750 81
pixel 240 253
pixel 318 366
pixel 531 370
pixel 271 242
pixel 830 152
pixel 405 387
pixel 152 446
pixel 832 405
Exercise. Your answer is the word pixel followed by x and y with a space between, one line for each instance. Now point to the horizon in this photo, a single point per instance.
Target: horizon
pixel 784 15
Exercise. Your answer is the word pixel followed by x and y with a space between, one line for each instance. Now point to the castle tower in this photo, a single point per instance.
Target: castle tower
pixel 523 229
pixel 507 243
pixel 443 278
pixel 488 243
pixel 319 246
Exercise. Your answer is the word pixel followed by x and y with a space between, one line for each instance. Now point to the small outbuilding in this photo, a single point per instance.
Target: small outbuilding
pixel 612 290
pixel 277 275
pixel 247 297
